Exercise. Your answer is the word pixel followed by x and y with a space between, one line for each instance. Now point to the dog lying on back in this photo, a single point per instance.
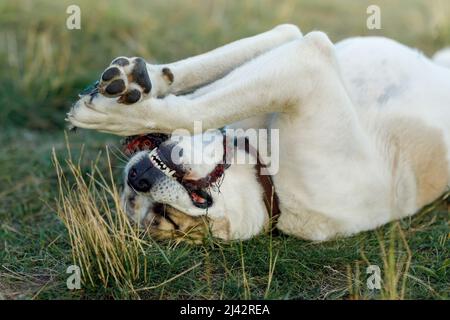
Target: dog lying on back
pixel 362 130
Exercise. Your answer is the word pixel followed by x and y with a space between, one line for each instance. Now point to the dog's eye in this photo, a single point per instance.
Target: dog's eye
pixel 155 222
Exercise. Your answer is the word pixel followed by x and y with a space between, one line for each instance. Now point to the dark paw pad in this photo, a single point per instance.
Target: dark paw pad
pixel 115 87
pixel 127 79
pixel 110 73
pixel 140 75
pixel 168 75
pixel 130 97
pixel 121 61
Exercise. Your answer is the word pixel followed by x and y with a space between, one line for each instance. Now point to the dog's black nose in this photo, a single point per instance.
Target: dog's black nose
pixel 142 175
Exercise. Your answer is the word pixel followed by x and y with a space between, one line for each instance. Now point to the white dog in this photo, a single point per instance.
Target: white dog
pixel 364 132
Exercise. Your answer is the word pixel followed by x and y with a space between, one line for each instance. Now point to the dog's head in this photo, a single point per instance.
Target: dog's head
pixel 172 184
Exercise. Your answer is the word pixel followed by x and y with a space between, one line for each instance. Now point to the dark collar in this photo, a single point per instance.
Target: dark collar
pixel 270 196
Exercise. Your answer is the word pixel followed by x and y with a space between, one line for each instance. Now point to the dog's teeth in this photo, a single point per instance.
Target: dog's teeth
pixel 154 158
pixel 167 171
pixel 157 162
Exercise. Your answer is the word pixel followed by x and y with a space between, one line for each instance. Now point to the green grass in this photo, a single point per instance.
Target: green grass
pixel 43 66
pixel 35 249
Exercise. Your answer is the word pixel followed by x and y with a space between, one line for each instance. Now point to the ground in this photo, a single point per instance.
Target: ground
pixel 42 68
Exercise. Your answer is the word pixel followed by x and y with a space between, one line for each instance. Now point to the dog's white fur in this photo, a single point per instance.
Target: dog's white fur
pixel 364 126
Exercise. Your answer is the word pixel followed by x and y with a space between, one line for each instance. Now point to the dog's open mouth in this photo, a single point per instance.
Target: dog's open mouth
pixel 196 189
pixel 197 192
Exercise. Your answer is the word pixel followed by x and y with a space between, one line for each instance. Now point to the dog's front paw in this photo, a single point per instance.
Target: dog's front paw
pixel 97 112
pixel 124 100
pixel 126 79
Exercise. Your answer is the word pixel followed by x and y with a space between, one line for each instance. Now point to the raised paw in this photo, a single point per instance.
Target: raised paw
pixel 126 78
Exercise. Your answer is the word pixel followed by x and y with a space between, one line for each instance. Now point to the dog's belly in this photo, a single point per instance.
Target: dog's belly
pixel 345 195
pixel 402 104
pixel 405 106
pixel 390 77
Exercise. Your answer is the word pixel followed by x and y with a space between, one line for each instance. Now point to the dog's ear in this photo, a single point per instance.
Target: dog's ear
pixel 167 75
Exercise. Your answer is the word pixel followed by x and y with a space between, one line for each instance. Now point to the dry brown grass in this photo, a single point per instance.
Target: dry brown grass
pixel 105 245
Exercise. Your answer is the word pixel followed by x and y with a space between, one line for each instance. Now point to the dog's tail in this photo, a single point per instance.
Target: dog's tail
pixel 442 57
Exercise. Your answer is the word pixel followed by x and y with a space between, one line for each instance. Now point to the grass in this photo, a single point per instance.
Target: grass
pixel 104 243
pixel 43 66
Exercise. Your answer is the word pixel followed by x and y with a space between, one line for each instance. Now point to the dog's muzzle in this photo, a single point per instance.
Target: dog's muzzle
pixel 158 164
pixel 143 175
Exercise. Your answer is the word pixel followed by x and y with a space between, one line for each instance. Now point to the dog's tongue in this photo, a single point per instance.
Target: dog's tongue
pixel 201 198
pixel 195 197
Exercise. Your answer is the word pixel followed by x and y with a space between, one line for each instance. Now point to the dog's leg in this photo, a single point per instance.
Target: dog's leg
pixel 132 79
pixel 197 71
pixel 277 81
pixel 310 225
pixel 301 82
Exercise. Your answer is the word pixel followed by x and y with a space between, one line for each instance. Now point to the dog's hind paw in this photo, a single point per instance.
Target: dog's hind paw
pixel 126 78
